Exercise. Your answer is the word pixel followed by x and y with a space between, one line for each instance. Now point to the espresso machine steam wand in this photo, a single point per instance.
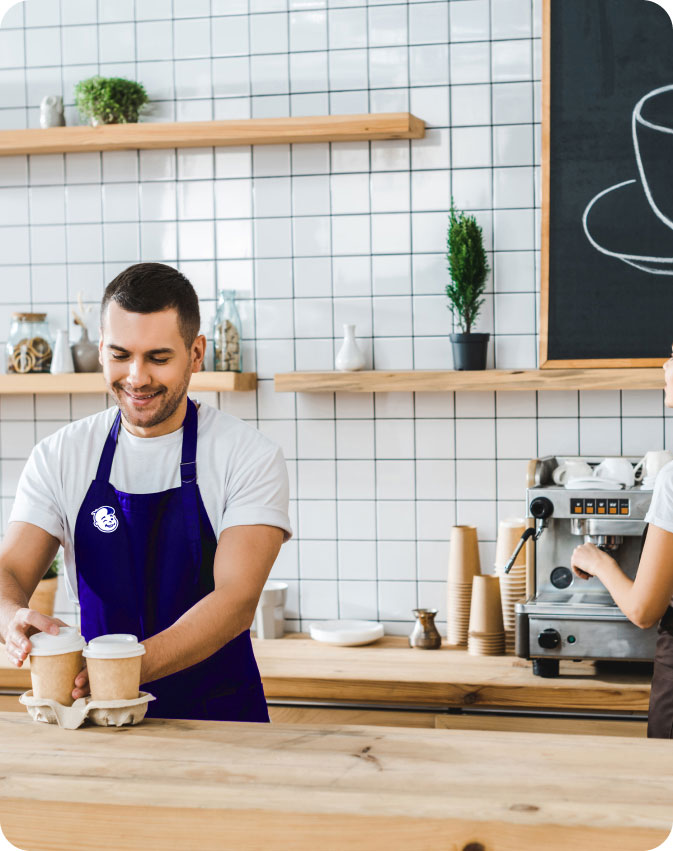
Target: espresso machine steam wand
pixel 542 509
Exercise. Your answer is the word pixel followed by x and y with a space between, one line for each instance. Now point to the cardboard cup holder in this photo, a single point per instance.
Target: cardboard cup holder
pixel 102 713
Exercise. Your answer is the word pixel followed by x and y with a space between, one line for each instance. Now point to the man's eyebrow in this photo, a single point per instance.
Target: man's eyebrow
pixel 163 351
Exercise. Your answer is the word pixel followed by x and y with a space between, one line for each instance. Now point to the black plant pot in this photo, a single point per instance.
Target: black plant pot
pixel 469 350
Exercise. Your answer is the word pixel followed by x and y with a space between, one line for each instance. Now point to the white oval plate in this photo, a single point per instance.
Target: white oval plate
pixel 346 633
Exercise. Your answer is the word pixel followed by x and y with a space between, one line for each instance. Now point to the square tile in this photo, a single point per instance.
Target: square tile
pixel 471 147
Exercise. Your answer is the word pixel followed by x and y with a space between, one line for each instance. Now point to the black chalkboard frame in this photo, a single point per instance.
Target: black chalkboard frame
pixel 547 228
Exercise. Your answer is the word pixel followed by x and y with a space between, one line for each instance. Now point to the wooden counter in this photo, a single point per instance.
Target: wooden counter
pixel 217 786
pixel 389 671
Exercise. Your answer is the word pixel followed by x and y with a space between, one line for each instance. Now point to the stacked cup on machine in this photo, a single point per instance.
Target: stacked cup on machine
pixel 512 584
pixel 464 565
pixel 486 635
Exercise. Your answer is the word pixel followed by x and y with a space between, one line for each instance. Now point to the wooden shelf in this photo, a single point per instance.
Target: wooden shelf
pixel 92 382
pixel 382 381
pixel 207 134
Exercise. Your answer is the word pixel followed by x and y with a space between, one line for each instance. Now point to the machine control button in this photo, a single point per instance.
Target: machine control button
pixel 601 506
pixel 623 506
pixel 589 506
pixel 549 638
pixel 561 577
pixel 571 639
pixel 613 506
pixel 577 506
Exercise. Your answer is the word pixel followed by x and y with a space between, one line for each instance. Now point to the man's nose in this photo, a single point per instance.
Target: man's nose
pixel 138 374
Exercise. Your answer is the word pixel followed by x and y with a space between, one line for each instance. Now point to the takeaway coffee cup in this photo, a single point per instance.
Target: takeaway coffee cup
pixel 55 661
pixel 113 662
pixel 571 470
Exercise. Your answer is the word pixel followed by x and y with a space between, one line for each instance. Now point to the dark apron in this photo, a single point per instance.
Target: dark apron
pixel 660 712
pixel 142 561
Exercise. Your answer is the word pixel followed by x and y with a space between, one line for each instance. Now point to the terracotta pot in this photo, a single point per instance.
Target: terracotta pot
pixel 43 596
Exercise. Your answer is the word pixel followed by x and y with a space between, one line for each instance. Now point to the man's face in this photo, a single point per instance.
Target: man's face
pixel 146 364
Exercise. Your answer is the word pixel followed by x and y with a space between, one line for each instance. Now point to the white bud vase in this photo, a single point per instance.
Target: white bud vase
pixel 349 357
pixel 61 361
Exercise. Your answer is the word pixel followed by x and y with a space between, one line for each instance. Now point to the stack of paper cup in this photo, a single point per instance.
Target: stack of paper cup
pixel 463 567
pixel 512 584
pixel 486 635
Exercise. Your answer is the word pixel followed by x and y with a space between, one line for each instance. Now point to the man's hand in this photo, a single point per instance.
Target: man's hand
pixel 81 684
pixel 27 622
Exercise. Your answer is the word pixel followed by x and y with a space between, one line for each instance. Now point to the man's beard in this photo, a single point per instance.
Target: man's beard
pixel 168 404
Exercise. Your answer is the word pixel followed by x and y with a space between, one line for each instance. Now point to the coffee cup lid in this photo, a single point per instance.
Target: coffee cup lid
pixel 118 645
pixel 68 640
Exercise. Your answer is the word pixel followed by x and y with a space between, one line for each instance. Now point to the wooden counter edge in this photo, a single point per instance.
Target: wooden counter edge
pixel 71 826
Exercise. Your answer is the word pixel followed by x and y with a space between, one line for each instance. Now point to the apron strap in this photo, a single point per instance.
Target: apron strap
pixel 188 486
pixel 107 455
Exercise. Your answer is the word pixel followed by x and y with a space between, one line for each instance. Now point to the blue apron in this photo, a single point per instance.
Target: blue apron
pixel 142 561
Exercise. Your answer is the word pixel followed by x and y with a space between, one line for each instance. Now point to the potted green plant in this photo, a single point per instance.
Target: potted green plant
pixel 468 270
pixel 43 597
pixel 109 100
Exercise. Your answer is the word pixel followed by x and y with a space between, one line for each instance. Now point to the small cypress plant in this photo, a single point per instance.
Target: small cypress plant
pixel 468 268
pixel 110 100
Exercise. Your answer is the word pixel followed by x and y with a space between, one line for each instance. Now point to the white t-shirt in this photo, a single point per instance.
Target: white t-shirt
pixel 660 512
pixel 241 474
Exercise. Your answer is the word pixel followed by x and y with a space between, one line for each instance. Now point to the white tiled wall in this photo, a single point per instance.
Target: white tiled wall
pixel 313 236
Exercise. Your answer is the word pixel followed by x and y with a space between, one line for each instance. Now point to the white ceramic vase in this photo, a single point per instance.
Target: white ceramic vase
pixel 61 361
pixel 349 357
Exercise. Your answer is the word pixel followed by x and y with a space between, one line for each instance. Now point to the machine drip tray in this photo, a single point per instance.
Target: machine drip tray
pixel 587 599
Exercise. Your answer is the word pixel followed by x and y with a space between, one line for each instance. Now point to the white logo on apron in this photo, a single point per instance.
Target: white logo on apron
pixel 104 519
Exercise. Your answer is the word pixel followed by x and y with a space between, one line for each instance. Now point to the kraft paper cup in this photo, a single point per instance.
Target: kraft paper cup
pixel 55 661
pixel 463 554
pixel 113 662
pixel 486 607
pixel 509 534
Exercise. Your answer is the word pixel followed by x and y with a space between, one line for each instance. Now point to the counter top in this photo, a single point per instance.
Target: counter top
pixel 216 785
pixel 390 672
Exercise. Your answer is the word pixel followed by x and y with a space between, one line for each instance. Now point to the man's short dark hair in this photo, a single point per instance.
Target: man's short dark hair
pixel 152 287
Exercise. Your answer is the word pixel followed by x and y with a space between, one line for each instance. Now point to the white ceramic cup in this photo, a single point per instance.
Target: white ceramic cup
pixel 651 463
pixel 616 470
pixel 570 470
pixel 270 614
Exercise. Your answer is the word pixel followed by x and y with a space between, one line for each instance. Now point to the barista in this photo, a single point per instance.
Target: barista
pixel 170 515
pixel 647 599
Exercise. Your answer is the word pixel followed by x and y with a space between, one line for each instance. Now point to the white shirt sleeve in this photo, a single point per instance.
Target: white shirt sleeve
pixel 38 499
pixel 259 493
pixel 660 512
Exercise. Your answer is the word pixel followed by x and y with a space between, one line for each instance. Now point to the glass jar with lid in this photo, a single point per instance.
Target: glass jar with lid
pixel 227 334
pixel 29 345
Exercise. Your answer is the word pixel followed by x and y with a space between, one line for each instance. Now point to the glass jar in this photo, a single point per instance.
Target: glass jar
pixel 29 345
pixel 227 334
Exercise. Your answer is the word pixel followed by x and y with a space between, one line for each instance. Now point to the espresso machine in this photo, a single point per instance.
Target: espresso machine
pixel 565 616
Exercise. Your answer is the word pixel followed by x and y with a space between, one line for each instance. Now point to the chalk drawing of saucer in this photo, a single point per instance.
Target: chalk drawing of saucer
pixel 619 222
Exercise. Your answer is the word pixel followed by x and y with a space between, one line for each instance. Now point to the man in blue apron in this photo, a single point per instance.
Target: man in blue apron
pixel 171 515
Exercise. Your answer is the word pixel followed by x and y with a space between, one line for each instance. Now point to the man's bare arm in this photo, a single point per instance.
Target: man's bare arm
pixel 243 560
pixel 25 554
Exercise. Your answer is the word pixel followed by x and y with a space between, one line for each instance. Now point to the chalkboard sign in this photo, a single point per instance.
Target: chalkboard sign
pixel 607 160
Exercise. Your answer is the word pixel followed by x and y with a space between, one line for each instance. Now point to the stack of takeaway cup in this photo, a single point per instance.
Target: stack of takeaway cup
pixel 486 636
pixel 512 584
pixel 463 567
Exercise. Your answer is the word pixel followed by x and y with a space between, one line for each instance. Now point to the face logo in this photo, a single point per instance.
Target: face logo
pixel 104 519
